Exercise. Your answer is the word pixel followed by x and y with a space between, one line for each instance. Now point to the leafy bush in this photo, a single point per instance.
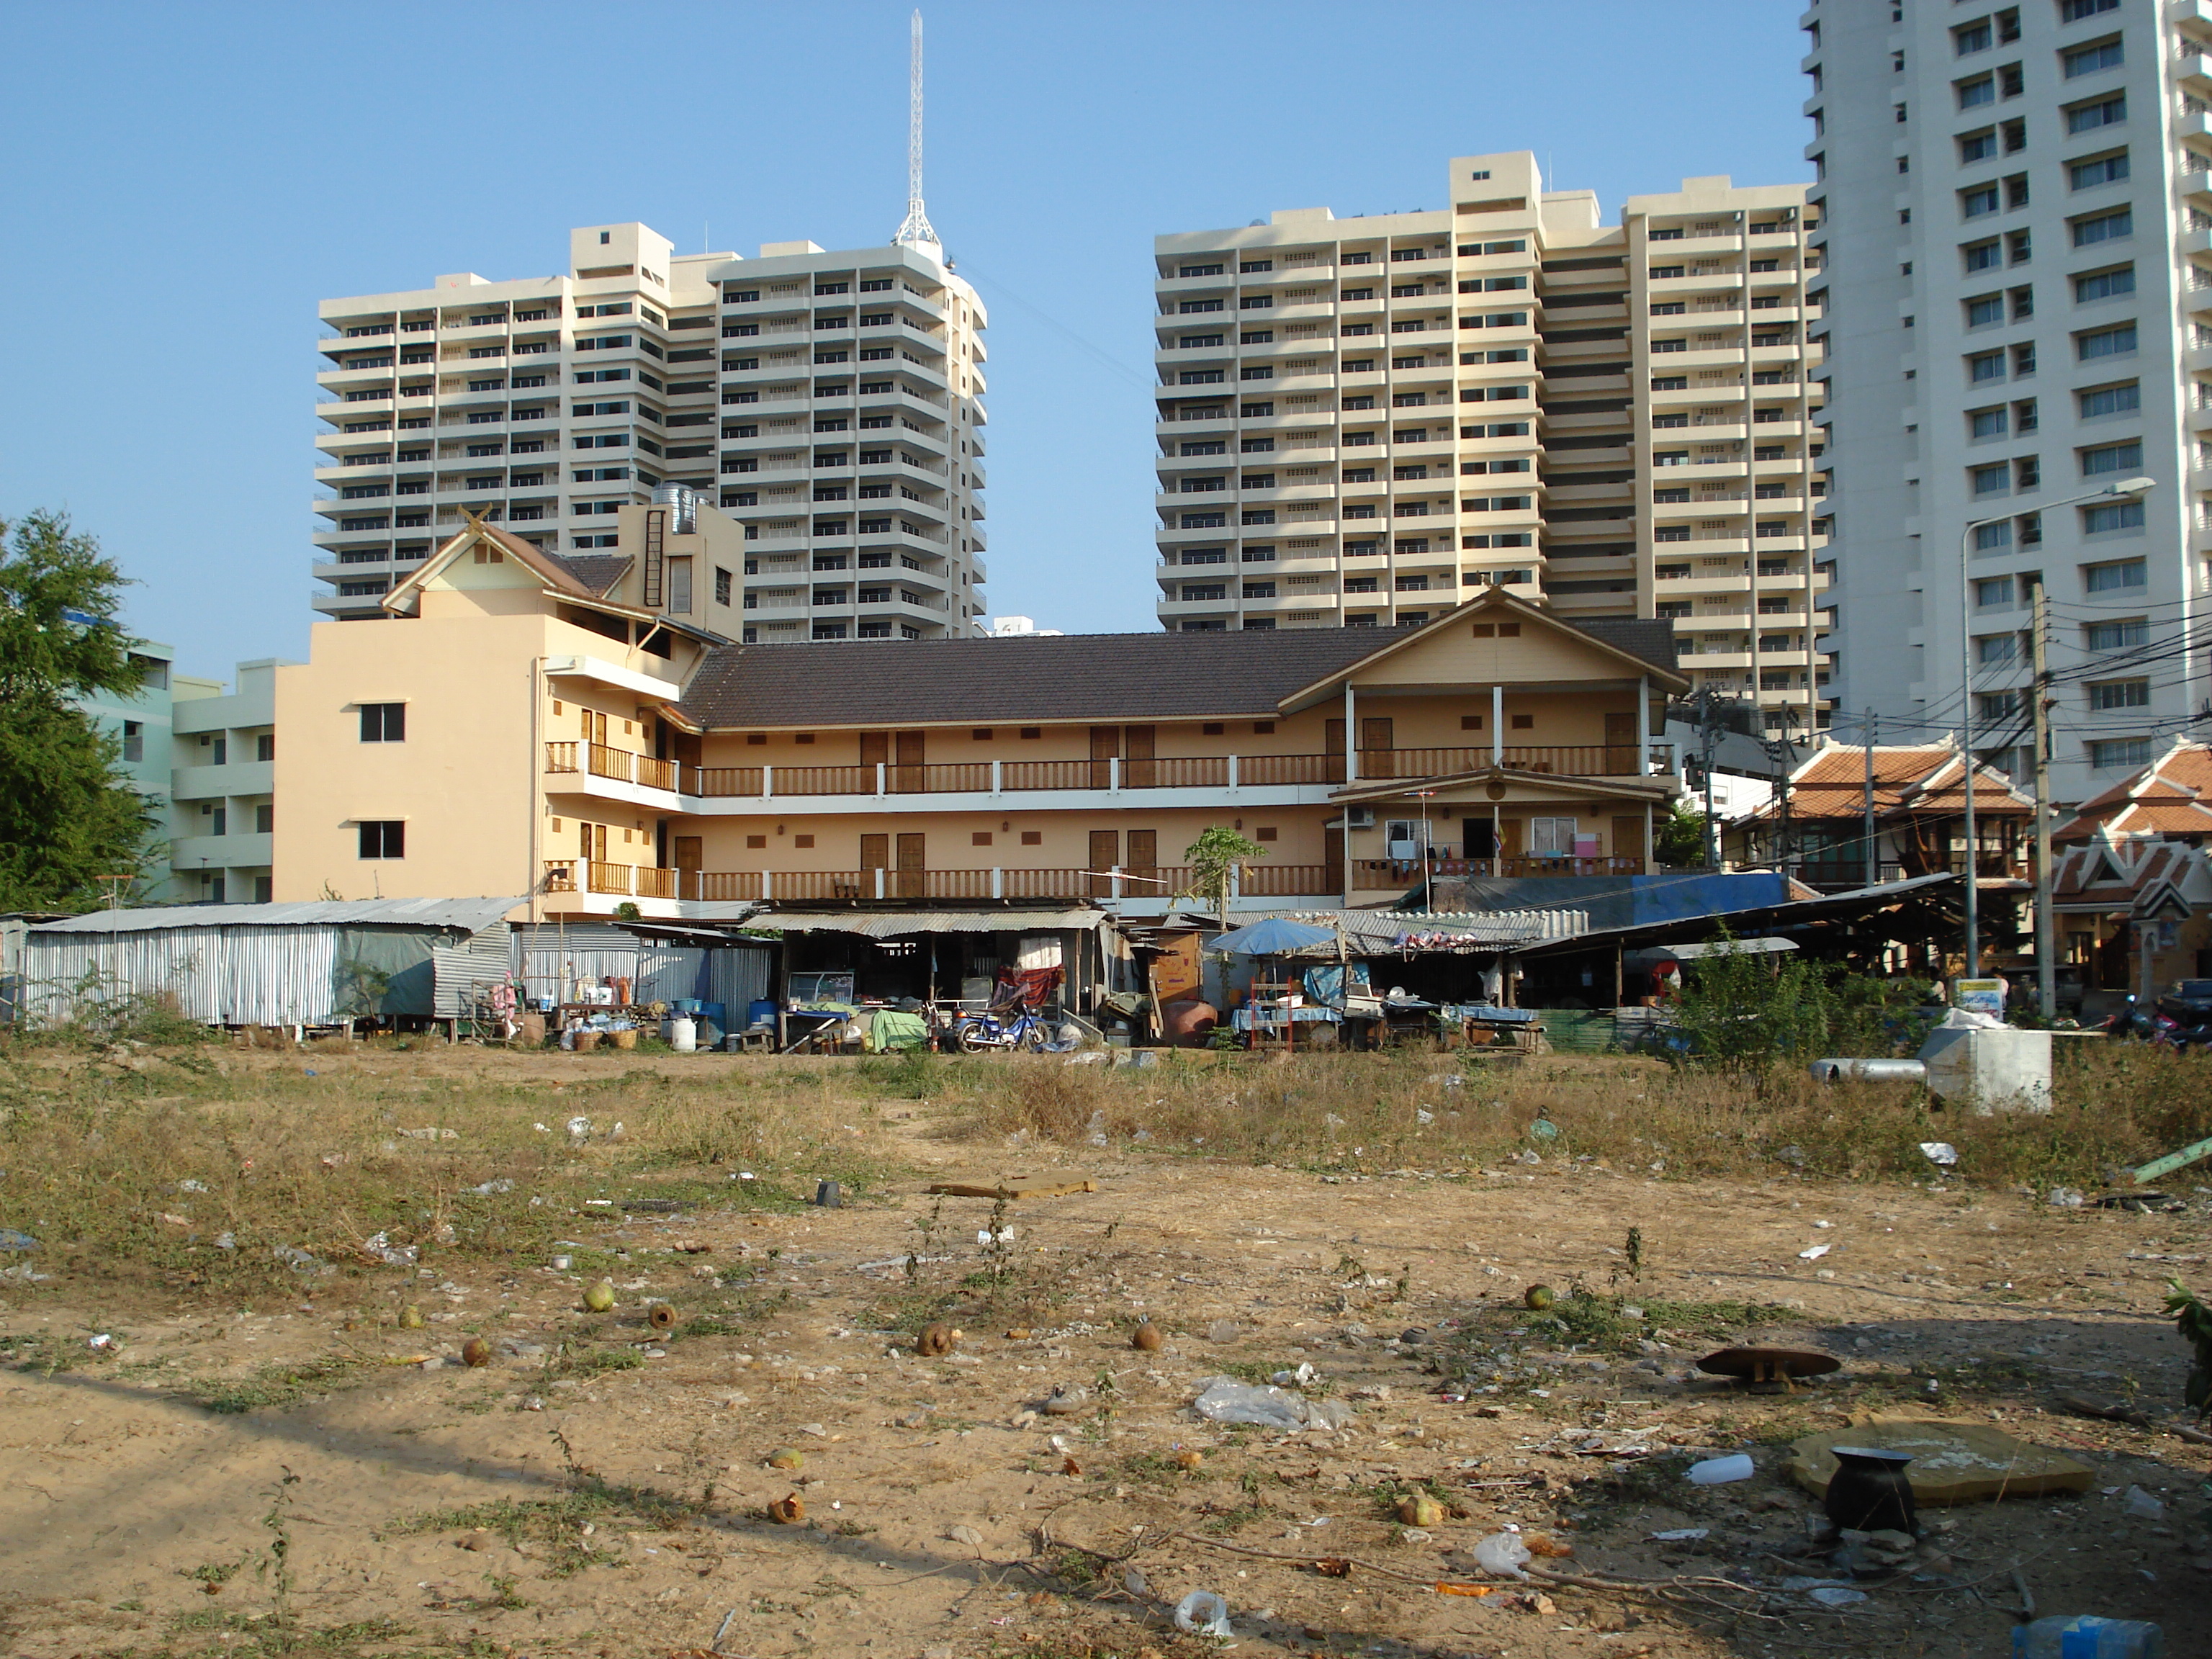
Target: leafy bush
pixel 1747 1010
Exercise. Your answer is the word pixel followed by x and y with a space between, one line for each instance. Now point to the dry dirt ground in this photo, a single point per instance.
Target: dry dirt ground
pixel 515 1509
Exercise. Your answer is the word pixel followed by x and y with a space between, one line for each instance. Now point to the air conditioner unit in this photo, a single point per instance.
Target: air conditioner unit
pixel 1359 817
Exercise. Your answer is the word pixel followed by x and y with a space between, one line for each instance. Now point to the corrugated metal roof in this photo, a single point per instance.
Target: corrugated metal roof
pixel 897 924
pixel 470 915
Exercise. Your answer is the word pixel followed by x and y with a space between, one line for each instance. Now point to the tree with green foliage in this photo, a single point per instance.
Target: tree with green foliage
pixel 67 816
pixel 1746 1011
pixel 1682 839
pixel 1214 859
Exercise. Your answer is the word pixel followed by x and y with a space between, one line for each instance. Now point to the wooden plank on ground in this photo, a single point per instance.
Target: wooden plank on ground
pixel 965 1189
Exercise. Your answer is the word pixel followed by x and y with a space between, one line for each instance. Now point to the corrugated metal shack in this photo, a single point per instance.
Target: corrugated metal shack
pixel 320 962
pixel 663 961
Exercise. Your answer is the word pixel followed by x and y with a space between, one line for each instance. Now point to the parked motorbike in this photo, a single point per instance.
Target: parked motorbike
pixel 1009 1028
pixel 2128 1020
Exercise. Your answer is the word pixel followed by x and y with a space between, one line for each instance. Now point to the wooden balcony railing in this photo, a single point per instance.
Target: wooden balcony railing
pixel 610 877
pixel 560 875
pixel 1168 772
pixel 1371 874
pixel 619 765
pixel 1159 882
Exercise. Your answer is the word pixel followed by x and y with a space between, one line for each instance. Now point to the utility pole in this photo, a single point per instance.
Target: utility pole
pixel 1705 766
pixel 1785 755
pixel 2046 925
pixel 1873 850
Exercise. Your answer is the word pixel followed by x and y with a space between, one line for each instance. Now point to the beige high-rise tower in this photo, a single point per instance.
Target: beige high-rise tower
pixel 830 402
pixel 1361 420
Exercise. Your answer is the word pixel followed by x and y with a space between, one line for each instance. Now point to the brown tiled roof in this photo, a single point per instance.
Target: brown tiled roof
pixel 1911 778
pixel 2082 879
pixel 1041 677
pixel 2170 796
pixel 597 571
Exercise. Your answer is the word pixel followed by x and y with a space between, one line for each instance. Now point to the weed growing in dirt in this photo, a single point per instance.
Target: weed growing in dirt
pixel 278 1385
pixel 566 1525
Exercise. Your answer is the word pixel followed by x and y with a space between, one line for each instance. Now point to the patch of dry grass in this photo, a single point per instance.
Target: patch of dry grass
pixel 199 1170
pixel 2118 1108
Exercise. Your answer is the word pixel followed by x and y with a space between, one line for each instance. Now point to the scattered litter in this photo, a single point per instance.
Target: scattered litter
pixel 299 1261
pixel 1940 1152
pixel 104 1341
pixel 562 1263
pixel 1719 1471
pixel 191 1186
pixel 1769 1365
pixel 2063 1198
pixel 12 1240
pixel 1225 1400
pixel 1132 1580
pixel 964 1534
pixel 22 1270
pixel 2138 1503
pixel 226 1241
pixel 1503 1554
pixel 579 1128
pixel 1544 1129
pixel 430 1132
pixel 1298 1378
pixel 1421 1114
pixel 2102 1638
pixel 379 1248
pixel 500 1184
pixel 1681 1536
pixel 1835 1596
pixel 1202 1613
pixel 1066 1399
pixel 1814 1253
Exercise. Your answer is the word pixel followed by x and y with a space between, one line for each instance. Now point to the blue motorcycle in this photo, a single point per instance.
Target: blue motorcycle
pixel 1009 1028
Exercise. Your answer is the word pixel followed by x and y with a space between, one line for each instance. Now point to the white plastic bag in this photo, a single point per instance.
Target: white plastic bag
pixel 1504 1554
pixel 1202 1613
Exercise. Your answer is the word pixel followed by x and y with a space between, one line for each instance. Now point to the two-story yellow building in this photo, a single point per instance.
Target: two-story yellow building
pixel 588 731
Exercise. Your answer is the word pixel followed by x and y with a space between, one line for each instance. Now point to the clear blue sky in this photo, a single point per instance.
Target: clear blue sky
pixel 185 182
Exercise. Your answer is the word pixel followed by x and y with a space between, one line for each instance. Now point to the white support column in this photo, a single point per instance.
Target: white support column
pixel 1644 736
pixel 1232 772
pixel 1350 739
pixel 1113 775
pixel 879 882
pixel 998 781
pixel 1497 725
pixel 998 876
pixel 882 778
pixel 768 783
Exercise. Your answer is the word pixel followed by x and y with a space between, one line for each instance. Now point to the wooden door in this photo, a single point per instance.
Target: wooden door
pixel 875 751
pixel 1621 748
pixel 1627 837
pixel 690 860
pixel 595 842
pixel 875 854
pixel 1377 739
pixel 910 774
pixel 1138 771
pixel 1510 832
pixel 1105 747
pixel 1105 854
pixel 1144 859
pixel 912 864
pixel 1332 854
pixel 1332 747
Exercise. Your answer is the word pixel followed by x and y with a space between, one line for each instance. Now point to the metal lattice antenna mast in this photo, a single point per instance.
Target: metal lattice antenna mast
pixel 915 227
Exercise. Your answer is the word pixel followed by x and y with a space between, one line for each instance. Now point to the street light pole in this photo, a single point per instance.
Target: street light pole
pixel 2126 489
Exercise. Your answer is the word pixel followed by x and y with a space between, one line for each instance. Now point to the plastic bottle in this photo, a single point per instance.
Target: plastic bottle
pixel 2088 1638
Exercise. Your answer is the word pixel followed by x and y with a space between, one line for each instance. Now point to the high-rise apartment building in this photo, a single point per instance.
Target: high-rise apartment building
pixel 830 402
pixel 2016 208
pixel 1362 420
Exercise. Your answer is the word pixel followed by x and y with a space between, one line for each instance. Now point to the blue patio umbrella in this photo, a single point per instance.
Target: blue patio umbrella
pixel 1274 937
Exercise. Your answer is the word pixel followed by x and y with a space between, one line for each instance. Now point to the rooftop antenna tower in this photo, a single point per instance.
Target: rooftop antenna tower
pixel 914 228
